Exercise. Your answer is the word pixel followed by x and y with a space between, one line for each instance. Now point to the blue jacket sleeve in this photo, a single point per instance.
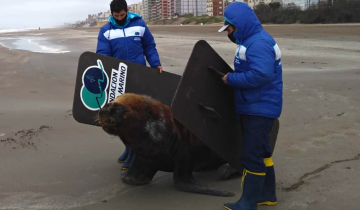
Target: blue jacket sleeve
pixel 103 44
pixel 261 60
pixel 149 47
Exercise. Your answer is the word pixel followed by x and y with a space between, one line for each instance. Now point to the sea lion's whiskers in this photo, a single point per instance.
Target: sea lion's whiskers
pixel 96 120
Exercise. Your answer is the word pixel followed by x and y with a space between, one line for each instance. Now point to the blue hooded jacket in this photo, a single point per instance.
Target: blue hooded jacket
pixel 257 78
pixel 130 42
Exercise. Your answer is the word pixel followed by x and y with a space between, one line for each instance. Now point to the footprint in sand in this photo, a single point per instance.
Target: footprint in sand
pixel 25 138
pixel 68 114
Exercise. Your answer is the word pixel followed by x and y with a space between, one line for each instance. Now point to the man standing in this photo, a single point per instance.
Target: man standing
pixel 127 37
pixel 258 86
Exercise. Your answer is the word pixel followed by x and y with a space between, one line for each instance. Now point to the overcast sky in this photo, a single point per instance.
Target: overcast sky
pixel 48 13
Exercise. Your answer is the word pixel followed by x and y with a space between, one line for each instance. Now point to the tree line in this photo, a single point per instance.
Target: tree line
pixel 331 11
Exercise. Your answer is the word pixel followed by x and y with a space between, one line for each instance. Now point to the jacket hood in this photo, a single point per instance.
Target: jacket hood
pixel 244 19
pixel 130 16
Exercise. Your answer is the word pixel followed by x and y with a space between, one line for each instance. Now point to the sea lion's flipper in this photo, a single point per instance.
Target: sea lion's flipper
pixel 186 187
pixel 184 181
pixel 226 171
pixel 138 173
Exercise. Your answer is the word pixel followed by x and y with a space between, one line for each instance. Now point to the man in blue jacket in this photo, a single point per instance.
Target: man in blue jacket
pixel 258 86
pixel 127 37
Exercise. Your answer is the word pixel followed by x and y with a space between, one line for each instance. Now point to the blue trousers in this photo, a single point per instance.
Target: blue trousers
pixel 255 131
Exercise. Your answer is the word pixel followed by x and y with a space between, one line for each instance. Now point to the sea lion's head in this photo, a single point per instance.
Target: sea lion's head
pixel 111 116
pixel 142 123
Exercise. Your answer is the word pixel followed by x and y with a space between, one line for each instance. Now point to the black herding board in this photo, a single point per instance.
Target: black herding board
pixel 100 79
pixel 205 105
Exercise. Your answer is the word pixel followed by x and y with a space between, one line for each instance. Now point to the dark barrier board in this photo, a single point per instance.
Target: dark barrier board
pixel 205 105
pixel 100 79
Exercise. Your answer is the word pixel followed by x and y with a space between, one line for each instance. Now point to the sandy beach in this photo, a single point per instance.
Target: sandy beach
pixel 49 161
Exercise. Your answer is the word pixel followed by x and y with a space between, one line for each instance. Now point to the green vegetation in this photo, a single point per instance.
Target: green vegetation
pixel 202 19
pixel 188 15
pixel 164 21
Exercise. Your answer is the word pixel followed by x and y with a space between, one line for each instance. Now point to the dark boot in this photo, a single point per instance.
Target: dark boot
pixel 268 195
pixel 124 156
pixel 129 158
pixel 252 187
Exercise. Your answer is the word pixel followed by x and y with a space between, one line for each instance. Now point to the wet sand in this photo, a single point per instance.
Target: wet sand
pixel 49 161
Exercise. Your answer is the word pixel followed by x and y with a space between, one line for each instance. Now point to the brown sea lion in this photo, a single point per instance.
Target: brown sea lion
pixel 160 143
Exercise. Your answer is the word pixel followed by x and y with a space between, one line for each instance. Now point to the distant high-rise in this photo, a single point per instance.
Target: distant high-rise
pixel 158 9
pixel 215 7
pixel 155 10
pixel 168 8
pixel 136 8
pixel 195 7
pixel 145 9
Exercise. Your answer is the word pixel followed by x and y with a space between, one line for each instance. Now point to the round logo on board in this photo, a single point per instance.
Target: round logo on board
pixel 95 84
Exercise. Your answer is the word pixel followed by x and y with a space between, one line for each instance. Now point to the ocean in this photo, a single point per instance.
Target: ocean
pixel 6 30
pixel 36 42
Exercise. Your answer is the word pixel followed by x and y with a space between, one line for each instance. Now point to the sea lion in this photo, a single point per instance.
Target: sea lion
pixel 160 143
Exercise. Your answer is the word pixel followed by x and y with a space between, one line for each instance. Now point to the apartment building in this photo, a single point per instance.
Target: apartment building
pixel 168 8
pixel 136 8
pixel 164 9
pixel 155 10
pixel 194 7
pixel 303 4
pixel 215 7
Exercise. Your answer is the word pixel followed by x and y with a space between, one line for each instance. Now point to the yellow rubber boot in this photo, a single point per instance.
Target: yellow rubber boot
pixel 268 195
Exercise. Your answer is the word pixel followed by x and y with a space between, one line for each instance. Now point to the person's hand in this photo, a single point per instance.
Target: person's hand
pixel 224 78
pixel 160 68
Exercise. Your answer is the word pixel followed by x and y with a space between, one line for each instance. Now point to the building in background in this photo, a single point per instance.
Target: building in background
pixel 253 3
pixel 97 19
pixel 158 9
pixel 168 8
pixel 148 9
pixel 107 14
pixel 209 7
pixel 155 10
pixel 194 7
pixel 145 9
pixel 303 4
pixel 102 18
pixel 215 7
pixel 165 9
pixel 136 8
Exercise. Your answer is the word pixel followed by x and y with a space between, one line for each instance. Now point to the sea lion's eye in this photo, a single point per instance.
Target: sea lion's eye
pixel 120 109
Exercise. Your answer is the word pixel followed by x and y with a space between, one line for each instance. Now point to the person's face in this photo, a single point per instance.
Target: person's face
pixel 119 15
pixel 230 29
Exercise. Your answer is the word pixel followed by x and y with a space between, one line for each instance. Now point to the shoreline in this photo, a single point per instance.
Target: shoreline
pixel 20 31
